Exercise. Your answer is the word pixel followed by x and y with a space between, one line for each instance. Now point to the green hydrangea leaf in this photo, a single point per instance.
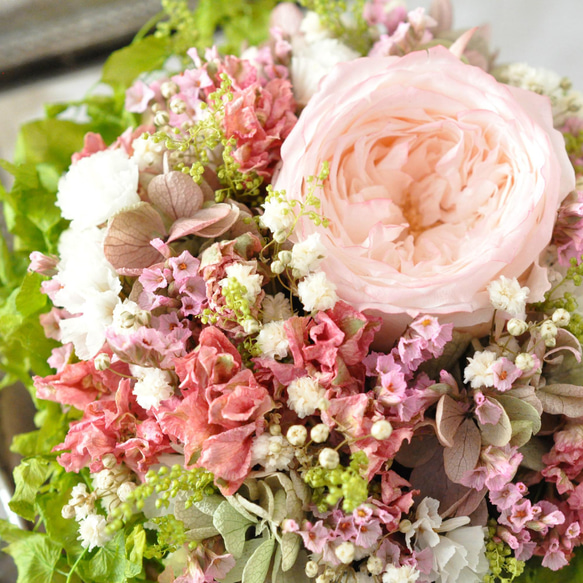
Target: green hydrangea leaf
pixel 36 557
pixel 124 66
pixel 11 533
pixel 29 476
pixel 108 563
pixel 257 566
pixel 135 547
pixel 233 527
pixel 59 529
pixel 49 141
pixel 29 298
pixel 235 574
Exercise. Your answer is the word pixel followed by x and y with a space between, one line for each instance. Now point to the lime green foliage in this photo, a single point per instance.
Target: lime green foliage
pixel 567 301
pixel 503 566
pixel 343 482
pixel 242 22
pixel 171 535
pixel 334 16
pixel 168 482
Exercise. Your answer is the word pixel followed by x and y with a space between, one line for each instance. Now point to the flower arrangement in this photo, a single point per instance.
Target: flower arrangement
pixel 311 307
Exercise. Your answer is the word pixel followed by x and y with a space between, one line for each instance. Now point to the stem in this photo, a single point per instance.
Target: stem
pixel 148 26
pixel 74 567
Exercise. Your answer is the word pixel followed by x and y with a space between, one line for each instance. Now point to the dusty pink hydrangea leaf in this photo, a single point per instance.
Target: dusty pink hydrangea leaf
pixel 562 399
pixel 455 499
pixel 448 418
pixel 463 456
pixel 127 241
pixel 208 222
pixel 176 194
pixel 498 434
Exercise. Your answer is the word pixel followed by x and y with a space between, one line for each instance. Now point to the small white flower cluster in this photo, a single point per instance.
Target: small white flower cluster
pixel 479 371
pixel 89 288
pixel 153 386
pixel 305 395
pixel 148 153
pixel 508 295
pixel 245 275
pixel 565 101
pixel 112 487
pixel 272 340
pixel 278 217
pixel 273 452
pixel 128 317
pixel 314 54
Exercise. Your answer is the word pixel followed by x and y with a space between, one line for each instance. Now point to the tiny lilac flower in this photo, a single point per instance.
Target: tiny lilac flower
pixel 315 536
pixel 518 515
pixel 368 534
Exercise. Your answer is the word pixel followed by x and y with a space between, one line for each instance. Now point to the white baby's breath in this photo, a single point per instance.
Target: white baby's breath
pixel 508 295
pixel 272 340
pixel 317 292
pixel 305 395
pixel 307 255
pixel 275 308
pixel 152 387
pixel 273 452
pixel 479 371
pixel 92 532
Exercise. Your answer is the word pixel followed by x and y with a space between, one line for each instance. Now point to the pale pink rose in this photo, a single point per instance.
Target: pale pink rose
pixel 441 180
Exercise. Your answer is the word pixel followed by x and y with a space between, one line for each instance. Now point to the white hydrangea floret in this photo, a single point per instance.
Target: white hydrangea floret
pixel 273 452
pixel 479 371
pixel 152 387
pixel 317 292
pixel 508 295
pixel 92 532
pixel 403 574
pixel 275 308
pixel 458 550
pixel 305 395
pixel 244 274
pixel 311 62
pixel 97 187
pixel 272 340
pixel 307 255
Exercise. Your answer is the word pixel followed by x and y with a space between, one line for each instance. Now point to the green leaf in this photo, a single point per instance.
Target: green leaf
pixel 36 558
pixel 11 533
pixel 29 476
pixel 536 573
pixel 257 566
pixel 123 67
pixel 290 547
pixel 235 574
pixel 108 564
pixel 50 141
pixel 30 299
pixel 232 527
pixel 59 529
pixel 135 547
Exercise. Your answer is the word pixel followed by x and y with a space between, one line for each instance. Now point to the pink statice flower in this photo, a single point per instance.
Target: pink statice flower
pixel 138 96
pixel 568 232
pixel 564 463
pixel 43 264
pixel 505 373
pixel 508 496
pixel 496 467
